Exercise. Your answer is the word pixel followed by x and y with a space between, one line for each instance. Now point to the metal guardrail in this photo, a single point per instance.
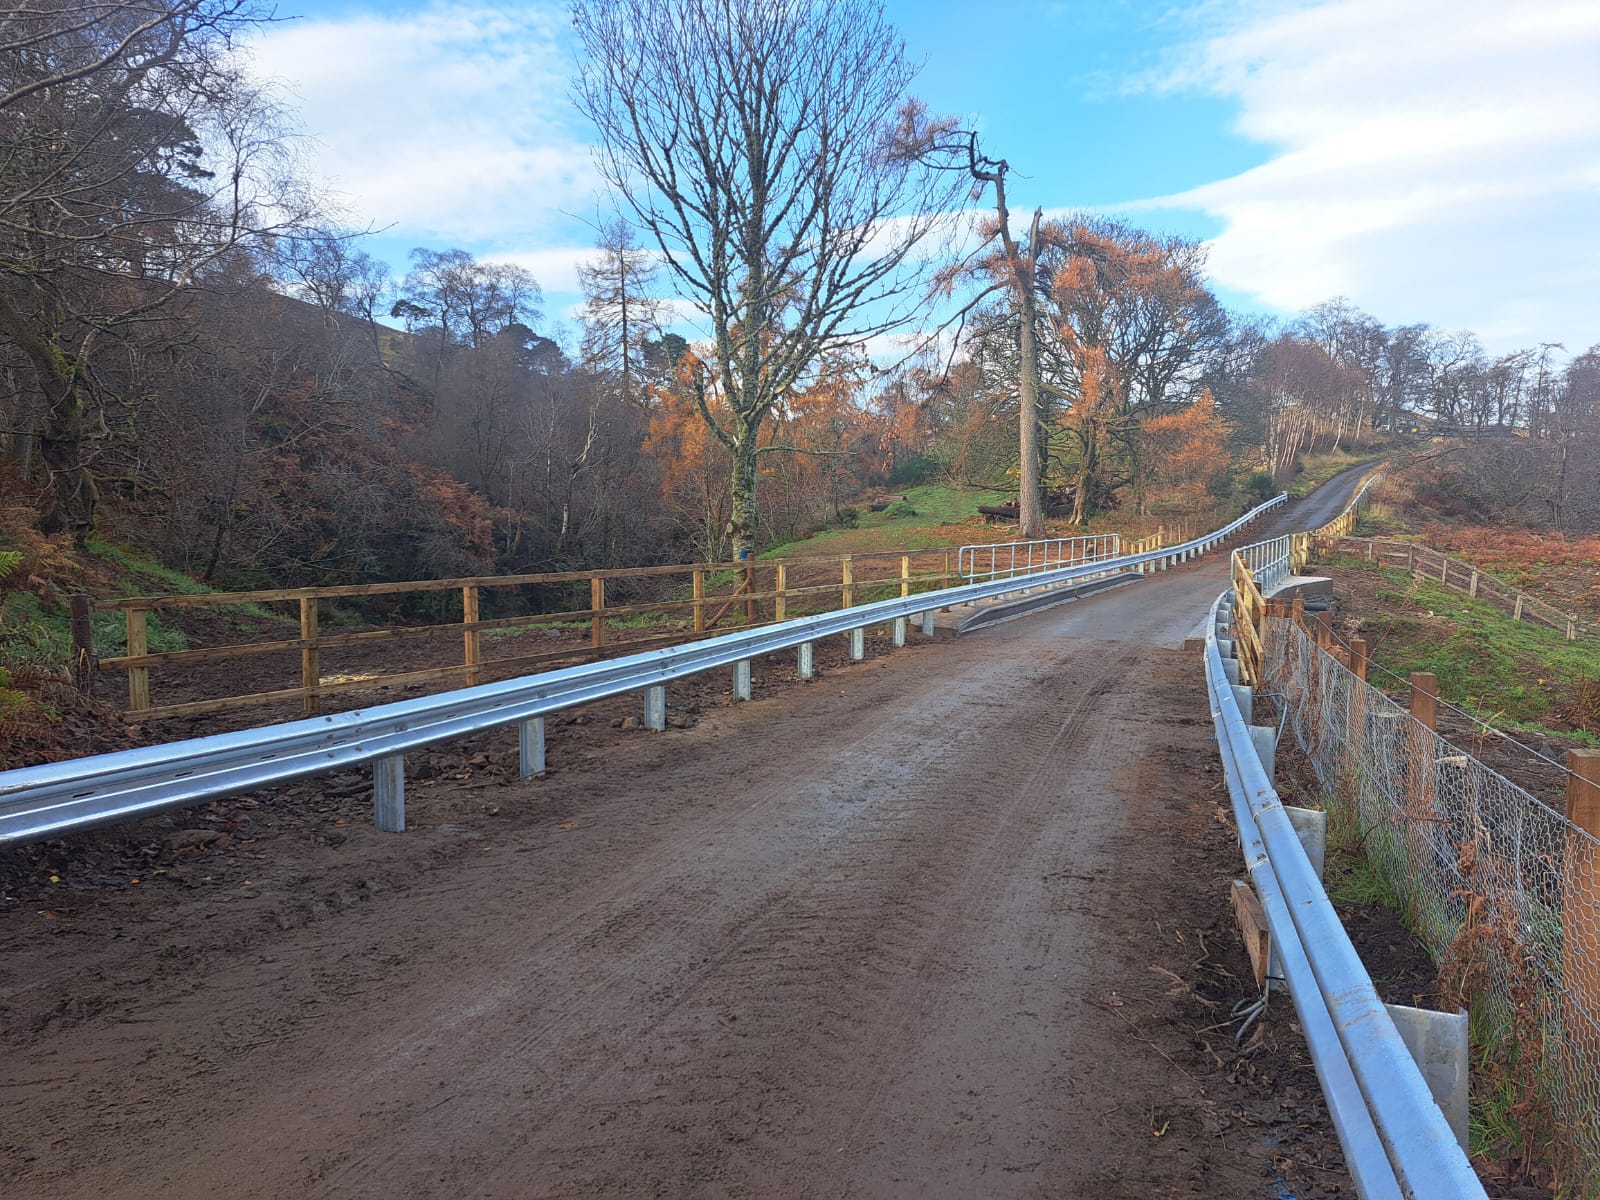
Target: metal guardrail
pixel 1396 1139
pixel 1007 560
pixel 56 798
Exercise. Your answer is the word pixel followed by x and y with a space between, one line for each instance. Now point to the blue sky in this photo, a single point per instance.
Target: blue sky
pixel 1435 161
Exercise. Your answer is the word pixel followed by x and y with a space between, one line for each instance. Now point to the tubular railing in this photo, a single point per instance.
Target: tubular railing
pixel 1007 560
pixel 48 801
pixel 1397 1140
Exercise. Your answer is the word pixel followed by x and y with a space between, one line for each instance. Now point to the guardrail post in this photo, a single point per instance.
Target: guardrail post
pixel 138 677
pixel 655 708
pixel 1311 827
pixel 858 644
pixel 310 656
pixel 530 748
pixel 1265 740
pixel 597 602
pixel 389 794
pixel 1438 1043
pixel 808 661
pixel 83 643
pixel 780 602
pixel 1425 698
pixel 1580 908
pixel 899 631
pixel 741 679
pixel 699 601
pixel 471 645
pixel 927 622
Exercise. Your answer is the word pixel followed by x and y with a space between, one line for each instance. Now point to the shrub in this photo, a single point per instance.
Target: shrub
pixel 1260 484
pixel 900 509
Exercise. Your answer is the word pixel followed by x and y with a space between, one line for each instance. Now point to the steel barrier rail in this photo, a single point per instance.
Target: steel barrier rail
pixel 1037 555
pixel 56 798
pixel 1424 1160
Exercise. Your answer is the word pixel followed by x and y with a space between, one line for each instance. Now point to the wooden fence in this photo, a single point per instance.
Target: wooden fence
pixel 702 595
pixel 1454 573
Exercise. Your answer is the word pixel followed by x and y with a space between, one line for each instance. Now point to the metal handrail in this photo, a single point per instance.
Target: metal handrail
pixel 1010 559
pixel 1396 1138
pixel 55 798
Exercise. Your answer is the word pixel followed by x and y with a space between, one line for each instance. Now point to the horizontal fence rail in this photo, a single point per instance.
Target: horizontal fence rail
pixel 49 800
pixel 1396 1138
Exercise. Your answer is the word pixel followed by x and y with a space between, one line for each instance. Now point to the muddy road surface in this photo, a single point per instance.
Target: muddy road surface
pixel 950 923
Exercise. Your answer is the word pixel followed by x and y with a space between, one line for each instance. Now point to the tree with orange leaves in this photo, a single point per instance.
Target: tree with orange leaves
pixel 1132 327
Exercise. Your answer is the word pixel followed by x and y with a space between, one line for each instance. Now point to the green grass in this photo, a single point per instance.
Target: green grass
pixel 1514 673
pixel 1319 468
pixel 937 505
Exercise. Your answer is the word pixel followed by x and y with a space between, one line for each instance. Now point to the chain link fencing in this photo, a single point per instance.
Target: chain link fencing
pixel 1502 889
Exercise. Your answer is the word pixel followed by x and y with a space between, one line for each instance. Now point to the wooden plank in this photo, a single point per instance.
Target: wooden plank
pixel 1253 929
pixel 310 656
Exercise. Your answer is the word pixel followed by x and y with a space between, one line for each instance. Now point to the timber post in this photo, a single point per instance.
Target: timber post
pixel 471 646
pixel 1425 698
pixel 780 602
pixel 597 603
pixel 847 580
pixel 699 601
pixel 1580 905
pixel 310 657
pixel 138 677
pixel 1358 658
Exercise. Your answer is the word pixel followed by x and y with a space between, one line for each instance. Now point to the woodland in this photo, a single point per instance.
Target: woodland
pixel 199 363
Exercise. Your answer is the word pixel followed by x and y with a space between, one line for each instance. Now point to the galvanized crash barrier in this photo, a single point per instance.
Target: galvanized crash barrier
pixel 1389 1117
pixel 50 800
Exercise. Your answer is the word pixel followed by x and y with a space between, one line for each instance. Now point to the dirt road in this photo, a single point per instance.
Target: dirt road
pixel 948 923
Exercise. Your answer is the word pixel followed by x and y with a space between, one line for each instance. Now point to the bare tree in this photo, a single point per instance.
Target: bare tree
pixel 619 314
pixel 138 163
pixel 754 140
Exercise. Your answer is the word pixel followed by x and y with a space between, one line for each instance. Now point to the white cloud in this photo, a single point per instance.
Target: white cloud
pixel 451 121
pixel 1434 160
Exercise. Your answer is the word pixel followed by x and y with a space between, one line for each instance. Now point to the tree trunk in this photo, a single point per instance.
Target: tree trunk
pixel 742 524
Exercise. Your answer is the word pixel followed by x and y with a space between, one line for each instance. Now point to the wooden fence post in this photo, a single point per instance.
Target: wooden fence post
pixel 780 602
pixel 597 602
pixel 699 601
pixel 138 677
pixel 905 575
pixel 471 646
pixel 1358 658
pixel 847 579
pixel 1580 904
pixel 83 643
pixel 1516 612
pixel 310 656
pixel 1425 698
pixel 751 611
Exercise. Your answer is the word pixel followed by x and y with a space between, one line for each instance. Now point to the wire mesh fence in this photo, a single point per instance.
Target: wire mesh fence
pixel 1502 889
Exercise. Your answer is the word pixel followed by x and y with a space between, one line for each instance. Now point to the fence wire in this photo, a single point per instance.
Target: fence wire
pixel 1502 889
